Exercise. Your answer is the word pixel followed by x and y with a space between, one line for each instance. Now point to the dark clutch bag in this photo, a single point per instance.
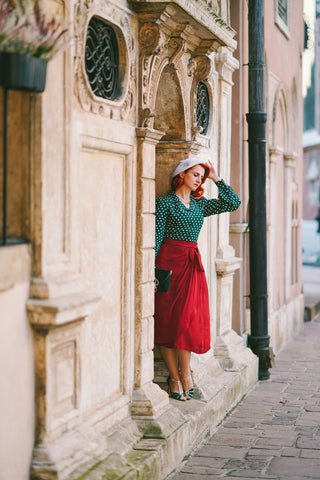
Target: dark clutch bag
pixel 162 279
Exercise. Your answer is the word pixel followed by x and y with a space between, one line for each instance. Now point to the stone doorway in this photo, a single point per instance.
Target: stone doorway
pixel 170 111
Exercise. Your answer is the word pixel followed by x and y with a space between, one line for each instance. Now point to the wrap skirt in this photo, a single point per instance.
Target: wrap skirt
pixel 182 317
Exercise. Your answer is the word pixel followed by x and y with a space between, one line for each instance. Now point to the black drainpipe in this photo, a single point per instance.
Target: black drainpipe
pixel 256 118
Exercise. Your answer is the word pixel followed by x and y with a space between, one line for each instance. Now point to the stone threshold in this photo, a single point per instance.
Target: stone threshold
pixel 311 308
pixel 165 441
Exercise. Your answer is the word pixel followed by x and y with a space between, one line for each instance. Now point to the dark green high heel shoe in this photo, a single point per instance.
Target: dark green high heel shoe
pixel 176 395
pixel 188 392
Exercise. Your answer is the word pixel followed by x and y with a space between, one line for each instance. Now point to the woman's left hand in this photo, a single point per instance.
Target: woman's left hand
pixel 213 174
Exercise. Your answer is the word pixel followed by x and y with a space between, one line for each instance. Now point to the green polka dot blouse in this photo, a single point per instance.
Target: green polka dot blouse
pixel 174 220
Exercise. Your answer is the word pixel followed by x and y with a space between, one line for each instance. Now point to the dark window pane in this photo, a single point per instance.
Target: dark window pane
pixel 203 107
pixel 102 59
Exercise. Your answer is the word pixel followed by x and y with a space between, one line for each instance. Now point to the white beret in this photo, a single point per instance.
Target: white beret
pixel 188 163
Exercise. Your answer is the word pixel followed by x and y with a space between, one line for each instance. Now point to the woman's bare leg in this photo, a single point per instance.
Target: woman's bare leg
pixel 170 357
pixel 184 357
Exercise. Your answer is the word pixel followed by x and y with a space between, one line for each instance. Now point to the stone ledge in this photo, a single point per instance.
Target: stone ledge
pixel 56 286
pixel 226 266
pixel 157 456
pixel 46 314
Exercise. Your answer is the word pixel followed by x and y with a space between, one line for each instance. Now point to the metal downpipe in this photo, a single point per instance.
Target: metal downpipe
pixel 256 118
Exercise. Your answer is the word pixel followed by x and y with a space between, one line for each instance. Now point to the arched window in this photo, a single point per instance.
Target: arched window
pixel 203 107
pixel 102 59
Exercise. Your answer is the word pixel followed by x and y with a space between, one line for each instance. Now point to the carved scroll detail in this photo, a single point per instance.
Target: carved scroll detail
pixel 200 67
pixel 175 48
pixel 149 38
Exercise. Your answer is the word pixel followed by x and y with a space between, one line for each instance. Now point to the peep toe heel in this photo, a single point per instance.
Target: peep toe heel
pixel 176 395
pixel 188 392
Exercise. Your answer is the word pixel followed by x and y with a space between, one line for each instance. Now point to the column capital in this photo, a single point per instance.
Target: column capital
pixel 225 64
pixel 227 266
pixel 150 135
pixel 241 227
pixel 290 160
pixel 275 153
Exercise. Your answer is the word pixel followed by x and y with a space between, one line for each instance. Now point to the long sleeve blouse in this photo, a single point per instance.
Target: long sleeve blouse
pixel 174 220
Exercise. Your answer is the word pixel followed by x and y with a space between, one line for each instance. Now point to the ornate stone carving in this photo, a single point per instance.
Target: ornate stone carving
pixel 192 66
pixel 214 4
pixel 149 38
pixel 148 115
pixel 196 130
pixel 152 54
pixel 122 106
pixel 200 67
pixel 175 48
pixel 225 64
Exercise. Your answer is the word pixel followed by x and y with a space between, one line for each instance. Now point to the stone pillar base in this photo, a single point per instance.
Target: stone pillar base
pixel 148 401
pixel 57 324
pixel 231 352
pixel 42 465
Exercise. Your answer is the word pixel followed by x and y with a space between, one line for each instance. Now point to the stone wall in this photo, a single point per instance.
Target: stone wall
pixel 16 364
pixel 95 167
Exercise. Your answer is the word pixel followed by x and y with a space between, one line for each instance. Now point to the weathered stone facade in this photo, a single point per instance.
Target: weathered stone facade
pixel 88 171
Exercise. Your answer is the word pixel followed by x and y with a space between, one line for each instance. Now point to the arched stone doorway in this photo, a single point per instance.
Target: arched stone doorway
pixel 173 60
pixel 170 119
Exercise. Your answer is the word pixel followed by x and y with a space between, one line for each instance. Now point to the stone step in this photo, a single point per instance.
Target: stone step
pixel 311 307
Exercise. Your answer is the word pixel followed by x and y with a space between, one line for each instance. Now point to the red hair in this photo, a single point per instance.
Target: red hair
pixel 177 182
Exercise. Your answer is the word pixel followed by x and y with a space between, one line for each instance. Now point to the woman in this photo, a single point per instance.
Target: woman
pixel 182 319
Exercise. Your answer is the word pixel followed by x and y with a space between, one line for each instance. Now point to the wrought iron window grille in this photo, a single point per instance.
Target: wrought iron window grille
pixel 203 107
pixel 102 59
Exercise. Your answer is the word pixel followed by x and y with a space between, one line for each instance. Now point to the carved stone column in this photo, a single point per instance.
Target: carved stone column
pixel 81 305
pixel 148 398
pixel 58 302
pixel 228 348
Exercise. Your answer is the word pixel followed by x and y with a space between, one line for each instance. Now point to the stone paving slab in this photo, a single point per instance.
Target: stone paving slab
pixel 274 433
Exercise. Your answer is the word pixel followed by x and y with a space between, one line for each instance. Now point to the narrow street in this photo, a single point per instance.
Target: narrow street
pixel 274 432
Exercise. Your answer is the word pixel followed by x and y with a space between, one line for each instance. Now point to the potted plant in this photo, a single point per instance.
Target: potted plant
pixel 28 40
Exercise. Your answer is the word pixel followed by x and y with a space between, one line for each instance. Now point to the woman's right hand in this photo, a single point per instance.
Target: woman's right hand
pixel 213 174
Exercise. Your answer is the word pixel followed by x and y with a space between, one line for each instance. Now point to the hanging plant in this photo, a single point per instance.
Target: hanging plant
pixel 28 40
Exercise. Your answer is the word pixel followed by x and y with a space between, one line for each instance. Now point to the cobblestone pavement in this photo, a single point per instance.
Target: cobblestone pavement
pixel 274 432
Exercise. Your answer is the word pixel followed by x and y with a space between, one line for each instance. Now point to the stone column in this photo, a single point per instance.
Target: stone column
pixel 59 301
pixel 289 166
pixel 148 398
pixel 275 156
pixel 228 347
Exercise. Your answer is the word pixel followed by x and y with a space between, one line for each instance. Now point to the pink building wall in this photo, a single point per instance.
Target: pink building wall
pixel 284 165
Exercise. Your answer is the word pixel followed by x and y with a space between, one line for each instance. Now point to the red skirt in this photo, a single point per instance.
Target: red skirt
pixel 182 318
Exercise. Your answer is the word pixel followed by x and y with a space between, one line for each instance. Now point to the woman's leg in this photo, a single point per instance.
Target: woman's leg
pixel 170 357
pixel 184 357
